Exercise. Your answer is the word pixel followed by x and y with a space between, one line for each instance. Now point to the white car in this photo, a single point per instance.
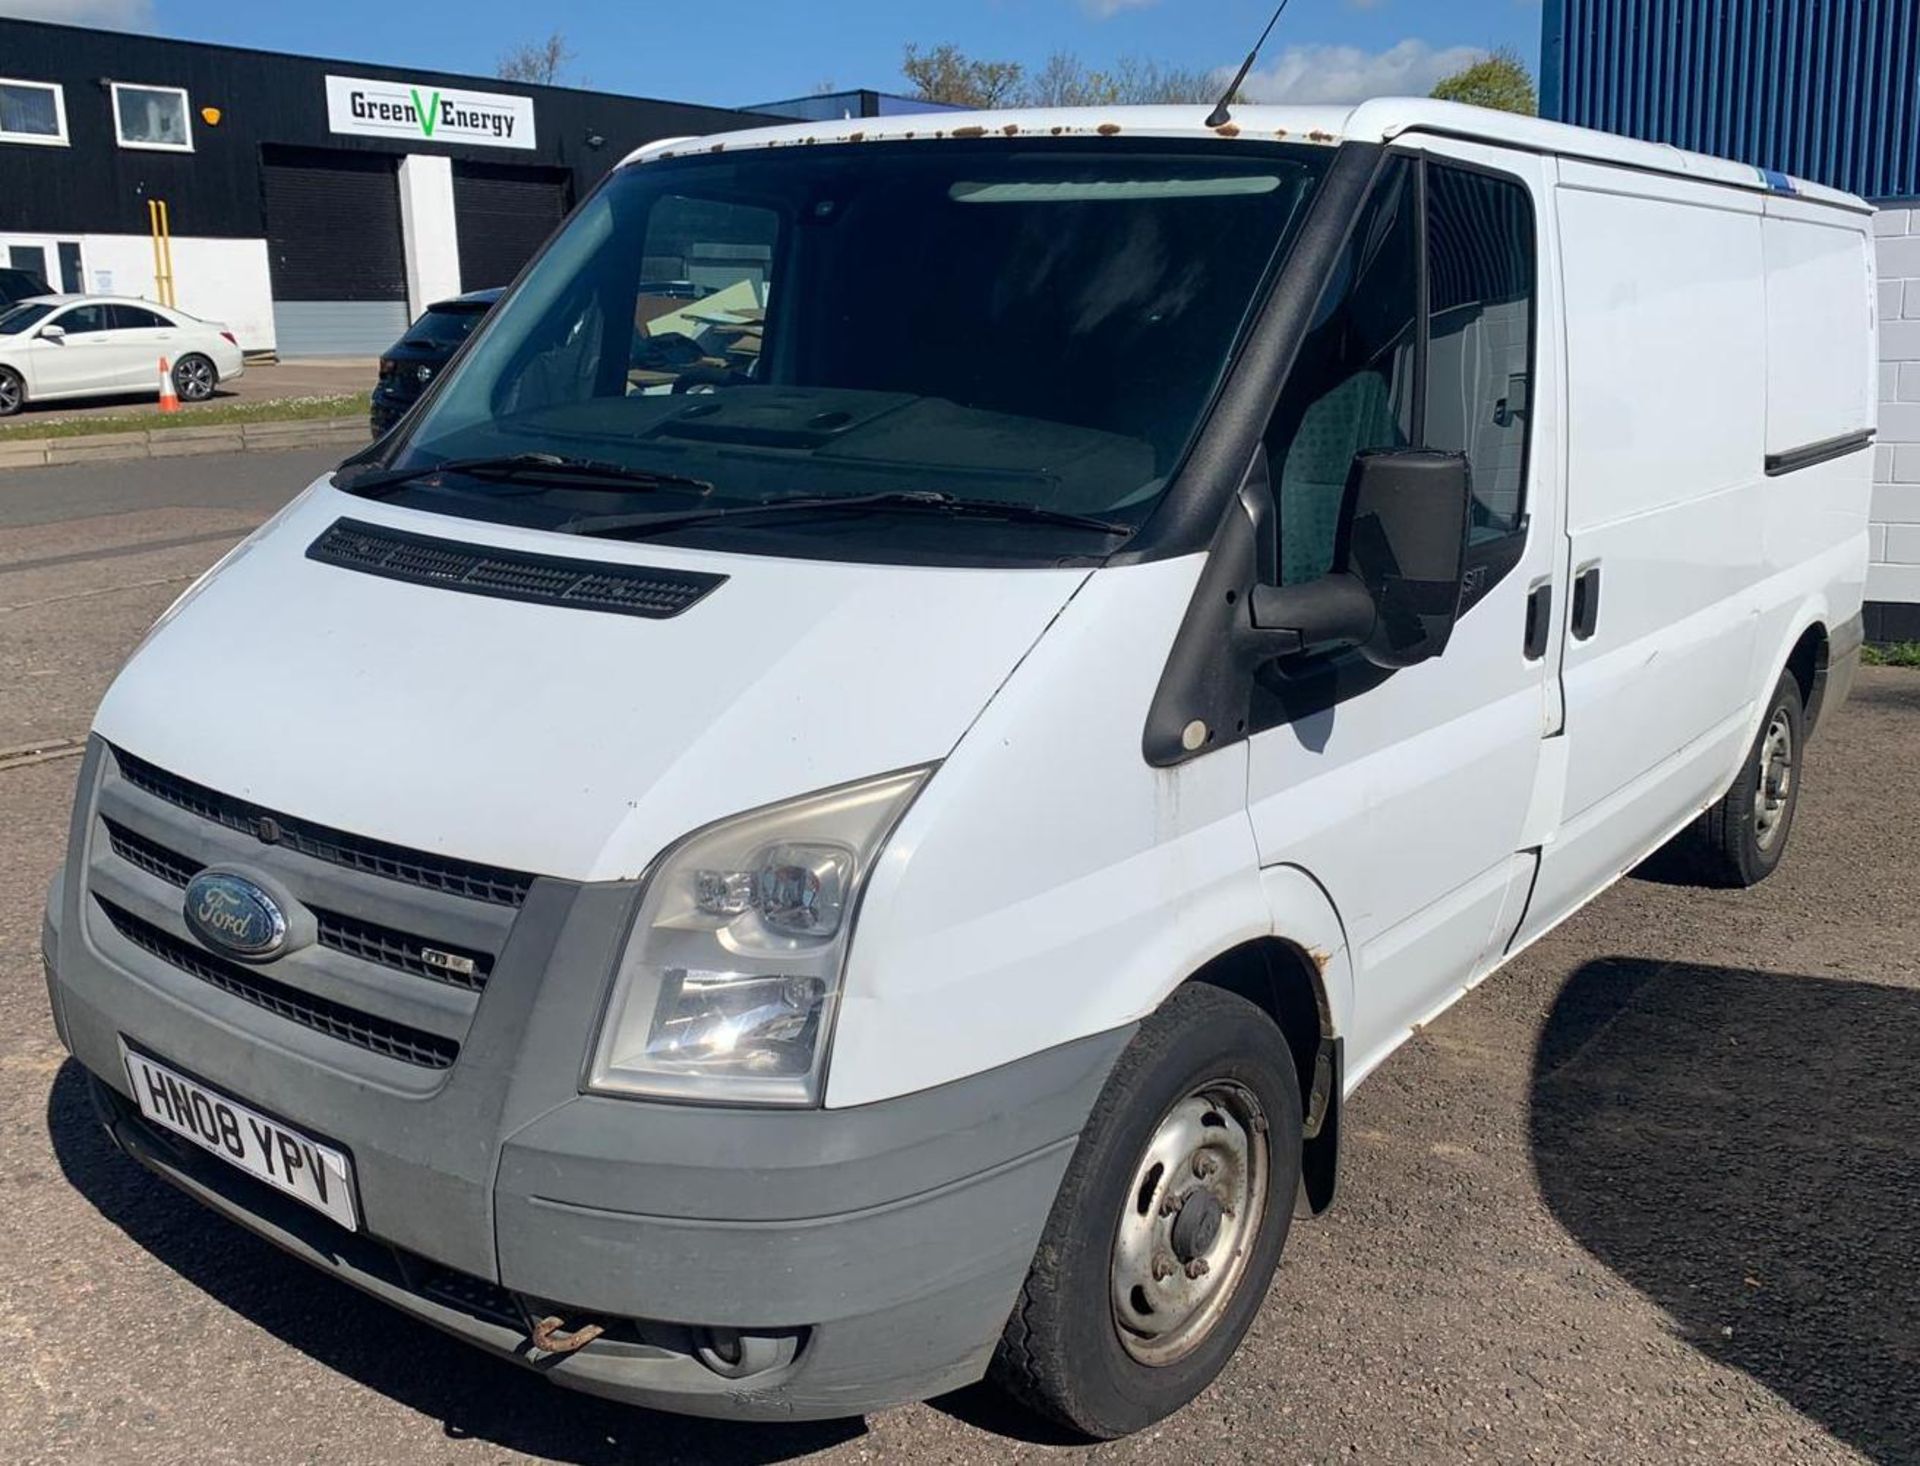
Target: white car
pixel 57 346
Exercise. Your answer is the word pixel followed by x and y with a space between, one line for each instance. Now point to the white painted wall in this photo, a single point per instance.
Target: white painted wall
pixel 223 280
pixel 428 231
pixel 1895 571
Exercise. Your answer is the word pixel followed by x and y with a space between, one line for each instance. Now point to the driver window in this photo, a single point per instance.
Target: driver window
pixel 1352 385
pixel 700 308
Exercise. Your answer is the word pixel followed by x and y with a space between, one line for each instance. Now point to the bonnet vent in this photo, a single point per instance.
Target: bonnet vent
pixel 548 580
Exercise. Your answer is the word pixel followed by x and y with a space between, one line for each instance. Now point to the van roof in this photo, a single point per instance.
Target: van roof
pixel 1382 120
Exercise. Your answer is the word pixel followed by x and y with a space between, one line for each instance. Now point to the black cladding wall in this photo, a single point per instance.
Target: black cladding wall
pixel 94 186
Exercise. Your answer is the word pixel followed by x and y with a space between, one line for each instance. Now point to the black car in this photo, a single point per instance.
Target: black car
pixel 418 357
pixel 17 285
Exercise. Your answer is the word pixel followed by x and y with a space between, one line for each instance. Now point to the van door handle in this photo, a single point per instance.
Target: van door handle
pixel 1539 620
pixel 1586 602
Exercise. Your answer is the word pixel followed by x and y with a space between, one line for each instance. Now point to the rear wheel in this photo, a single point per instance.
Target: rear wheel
pixel 13 392
pixel 194 378
pixel 1743 836
pixel 1169 1224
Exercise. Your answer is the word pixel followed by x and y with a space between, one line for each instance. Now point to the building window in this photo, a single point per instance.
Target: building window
pixel 152 117
pixel 32 112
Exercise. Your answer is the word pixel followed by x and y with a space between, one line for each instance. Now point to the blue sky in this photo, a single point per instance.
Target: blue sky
pixel 740 51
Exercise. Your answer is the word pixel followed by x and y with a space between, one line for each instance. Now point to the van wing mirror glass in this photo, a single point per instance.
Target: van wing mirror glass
pixel 1403 536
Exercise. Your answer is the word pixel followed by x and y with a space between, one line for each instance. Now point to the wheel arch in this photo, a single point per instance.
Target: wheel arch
pixel 1808 662
pixel 1300 976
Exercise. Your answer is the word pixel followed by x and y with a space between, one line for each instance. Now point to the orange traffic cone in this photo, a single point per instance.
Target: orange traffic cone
pixel 169 400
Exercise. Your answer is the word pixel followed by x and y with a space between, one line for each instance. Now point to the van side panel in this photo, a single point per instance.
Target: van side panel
pixel 1822 366
pixel 1665 311
pixel 1820 324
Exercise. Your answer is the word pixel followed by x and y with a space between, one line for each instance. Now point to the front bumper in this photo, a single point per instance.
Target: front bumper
pixel 752 1264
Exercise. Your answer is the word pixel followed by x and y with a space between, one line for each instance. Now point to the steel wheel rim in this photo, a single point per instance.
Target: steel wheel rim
pixel 196 380
pixel 9 392
pixel 1189 1222
pixel 1773 792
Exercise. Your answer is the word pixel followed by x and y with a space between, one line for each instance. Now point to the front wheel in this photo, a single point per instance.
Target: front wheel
pixel 194 378
pixel 13 392
pixel 1168 1226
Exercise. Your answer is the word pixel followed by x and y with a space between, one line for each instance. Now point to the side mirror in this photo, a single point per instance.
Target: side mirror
pixel 1398 564
pixel 55 334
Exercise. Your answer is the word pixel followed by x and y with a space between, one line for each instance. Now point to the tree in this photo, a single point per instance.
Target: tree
pixel 541 62
pixel 1152 83
pixel 1501 81
pixel 1065 81
pixel 948 74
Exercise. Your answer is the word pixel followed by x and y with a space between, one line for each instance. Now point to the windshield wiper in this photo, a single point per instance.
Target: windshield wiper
pixel 584 472
pixel 637 525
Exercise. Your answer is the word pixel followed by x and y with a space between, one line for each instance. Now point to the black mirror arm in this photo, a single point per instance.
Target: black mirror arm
pixel 1330 614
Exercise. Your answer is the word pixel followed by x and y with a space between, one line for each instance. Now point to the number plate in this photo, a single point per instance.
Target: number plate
pixel 281 1156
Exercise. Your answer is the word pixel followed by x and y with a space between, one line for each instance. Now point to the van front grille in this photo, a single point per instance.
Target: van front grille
pixel 153 858
pixel 336 1020
pixel 336 847
pixel 366 940
pixel 386 947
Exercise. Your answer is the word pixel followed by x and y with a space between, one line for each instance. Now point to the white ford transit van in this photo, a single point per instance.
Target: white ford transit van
pixel 840 807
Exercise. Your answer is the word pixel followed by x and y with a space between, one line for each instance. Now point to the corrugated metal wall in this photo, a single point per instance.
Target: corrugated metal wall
pixel 1827 90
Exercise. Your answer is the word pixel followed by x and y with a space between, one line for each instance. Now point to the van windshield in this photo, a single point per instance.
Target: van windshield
pixel 1037 324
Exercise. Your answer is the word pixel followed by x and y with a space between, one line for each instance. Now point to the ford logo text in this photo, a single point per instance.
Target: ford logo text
pixel 231 914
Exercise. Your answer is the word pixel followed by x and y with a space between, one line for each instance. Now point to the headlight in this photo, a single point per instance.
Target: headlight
pixel 726 990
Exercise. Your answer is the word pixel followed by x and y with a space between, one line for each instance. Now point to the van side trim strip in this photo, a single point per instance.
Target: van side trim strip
pixel 1792 460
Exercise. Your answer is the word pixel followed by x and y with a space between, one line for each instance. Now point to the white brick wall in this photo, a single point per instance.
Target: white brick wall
pixel 1895 572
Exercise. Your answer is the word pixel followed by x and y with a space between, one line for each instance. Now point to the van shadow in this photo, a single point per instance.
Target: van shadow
pixel 1743 1148
pixel 474 1395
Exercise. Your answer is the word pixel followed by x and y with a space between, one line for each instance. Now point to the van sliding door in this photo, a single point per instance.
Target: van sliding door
pixel 1666 358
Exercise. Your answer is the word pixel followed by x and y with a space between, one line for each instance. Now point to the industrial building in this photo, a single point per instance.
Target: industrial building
pixel 314 206
pixel 1827 90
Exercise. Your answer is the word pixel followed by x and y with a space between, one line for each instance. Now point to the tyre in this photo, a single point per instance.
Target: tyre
pixel 1742 838
pixel 13 392
pixel 194 378
pixel 1168 1226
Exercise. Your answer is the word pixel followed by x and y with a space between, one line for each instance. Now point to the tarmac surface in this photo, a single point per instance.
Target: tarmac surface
pixel 1650 1194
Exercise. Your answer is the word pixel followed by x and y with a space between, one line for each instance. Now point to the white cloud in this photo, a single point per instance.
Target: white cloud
pixel 1107 9
pixel 1350 74
pixel 113 15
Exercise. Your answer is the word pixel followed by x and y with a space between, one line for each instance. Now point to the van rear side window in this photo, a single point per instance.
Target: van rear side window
pixel 1368 375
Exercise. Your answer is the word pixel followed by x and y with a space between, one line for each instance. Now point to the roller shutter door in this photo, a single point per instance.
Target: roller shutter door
pixel 503 214
pixel 334 249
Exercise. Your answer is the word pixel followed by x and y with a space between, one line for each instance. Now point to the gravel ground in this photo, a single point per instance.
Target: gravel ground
pixel 1650 1194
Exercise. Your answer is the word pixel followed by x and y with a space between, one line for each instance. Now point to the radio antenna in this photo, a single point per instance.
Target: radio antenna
pixel 1222 113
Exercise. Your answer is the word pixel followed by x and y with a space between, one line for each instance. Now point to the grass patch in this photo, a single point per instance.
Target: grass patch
pixel 1891 654
pixel 204 415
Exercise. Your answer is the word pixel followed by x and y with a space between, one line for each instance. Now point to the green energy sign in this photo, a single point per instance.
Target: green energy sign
pixel 428 114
